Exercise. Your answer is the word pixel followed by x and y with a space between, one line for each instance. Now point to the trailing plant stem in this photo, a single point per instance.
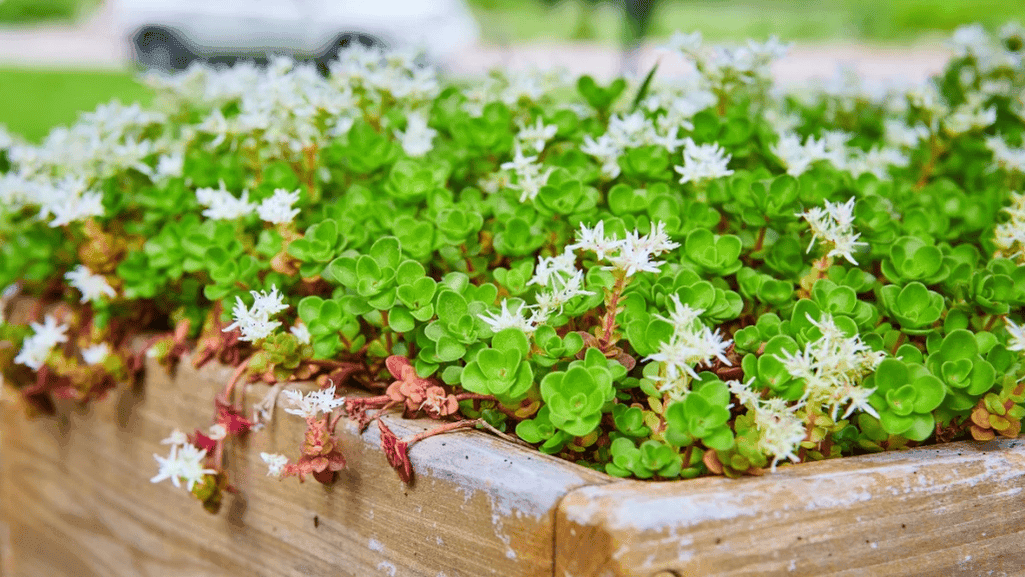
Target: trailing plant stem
pixel 611 310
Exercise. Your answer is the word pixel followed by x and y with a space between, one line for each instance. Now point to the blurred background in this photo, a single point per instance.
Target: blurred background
pixel 60 57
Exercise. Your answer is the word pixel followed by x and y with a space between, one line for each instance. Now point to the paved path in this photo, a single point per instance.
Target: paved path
pixel 96 43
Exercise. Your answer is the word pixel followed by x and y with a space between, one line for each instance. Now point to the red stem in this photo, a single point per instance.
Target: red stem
pixel 760 240
pixel 474 397
pixel 611 309
pixel 239 371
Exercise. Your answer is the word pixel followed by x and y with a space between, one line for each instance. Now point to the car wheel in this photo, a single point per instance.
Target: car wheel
pixel 162 51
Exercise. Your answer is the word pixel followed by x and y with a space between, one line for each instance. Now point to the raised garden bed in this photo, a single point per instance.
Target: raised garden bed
pixel 653 281
pixel 76 501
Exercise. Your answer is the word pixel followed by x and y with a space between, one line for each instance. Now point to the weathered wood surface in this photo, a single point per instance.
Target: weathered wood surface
pixel 942 511
pixel 76 499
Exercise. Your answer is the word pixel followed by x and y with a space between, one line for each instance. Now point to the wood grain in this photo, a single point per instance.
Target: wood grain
pixel 949 510
pixel 75 498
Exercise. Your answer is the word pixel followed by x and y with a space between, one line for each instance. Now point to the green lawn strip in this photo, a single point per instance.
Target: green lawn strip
pixel 32 11
pixel 36 100
pixel 810 20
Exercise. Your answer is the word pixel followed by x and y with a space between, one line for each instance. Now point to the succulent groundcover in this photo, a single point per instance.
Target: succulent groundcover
pixel 657 278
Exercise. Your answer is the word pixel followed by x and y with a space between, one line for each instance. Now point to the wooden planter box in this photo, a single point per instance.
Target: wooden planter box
pixel 76 500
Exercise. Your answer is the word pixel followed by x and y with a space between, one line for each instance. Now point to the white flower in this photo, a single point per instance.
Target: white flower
pixel 169 467
pixel 1010 159
pixel 833 368
pixel 547 267
pixel 564 289
pixel 75 208
pixel 302 333
pixel 222 205
pixel 275 463
pixel 834 225
pixel 95 354
pixel 170 166
pixel 92 286
pixel 216 124
pixel 254 323
pixel 37 347
pixel 682 317
pixel 797 157
pixel 176 438
pixel 507 319
pixel 605 151
pixel 417 140
pixel 1016 334
pixel 269 303
pixel 971 115
pixel 781 431
pixel 630 255
pixel 970 40
pixel 686 43
pixel 703 162
pixel 313 403
pixel 636 251
pixel 529 175
pixel 876 161
pixel 633 257
pixel 901 134
pixel 782 121
pixel 217 432
pixel 745 392
pixel 537 135
pixel 184 463
pixel 278 208
pixel 1009 237
pixel 594 240
pixel 529 184
pixel 692 344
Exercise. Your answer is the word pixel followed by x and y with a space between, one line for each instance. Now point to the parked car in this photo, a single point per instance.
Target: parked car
pixel 170 34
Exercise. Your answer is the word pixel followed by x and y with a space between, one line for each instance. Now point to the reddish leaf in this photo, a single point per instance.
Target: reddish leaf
pixel 397 452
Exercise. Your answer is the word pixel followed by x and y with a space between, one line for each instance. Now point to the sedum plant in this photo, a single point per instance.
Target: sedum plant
pixel 658 278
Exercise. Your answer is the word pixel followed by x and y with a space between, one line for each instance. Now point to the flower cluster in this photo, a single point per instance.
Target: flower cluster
pixel 692 345
pixel 702 162
pixel 184 464
pixel 1007 157
pixel 36 348
pixel 833 223
pixel 559 282
pixel 626 131
pixel 618 272
pixel 627 256
pixel 417 138
pixel 1009 237
pixel 728 67
pixel 780 429
pixel 313 403
pixel 92 286
pixel 832 368
pixel 530 174
pixel 254 323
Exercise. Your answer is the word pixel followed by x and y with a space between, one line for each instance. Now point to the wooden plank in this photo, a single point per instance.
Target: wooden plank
pixel 76 499
pixel 955 509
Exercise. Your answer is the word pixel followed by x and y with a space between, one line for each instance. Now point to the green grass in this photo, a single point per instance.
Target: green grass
pixel 809 20
pixel 33 11
pixel 34 101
